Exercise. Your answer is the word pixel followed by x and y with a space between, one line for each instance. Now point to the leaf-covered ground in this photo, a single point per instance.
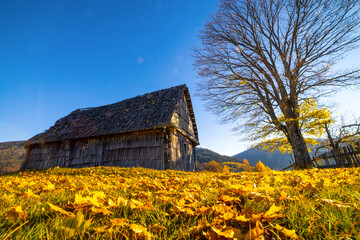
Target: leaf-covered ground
pixel 137 203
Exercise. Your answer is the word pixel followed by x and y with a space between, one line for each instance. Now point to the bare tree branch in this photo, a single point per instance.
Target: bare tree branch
pixel 259 59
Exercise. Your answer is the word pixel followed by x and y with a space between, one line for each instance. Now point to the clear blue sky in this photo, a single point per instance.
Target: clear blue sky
pixel 57 56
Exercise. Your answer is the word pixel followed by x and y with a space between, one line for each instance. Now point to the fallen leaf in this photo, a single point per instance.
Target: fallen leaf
pixel 16 213
pixel 202 225
pixel 49 187
pixel 256 233
pixel 283 196
pixel 288 233
pixel 119 221
pixel 272 212
pixel 29 194
pixel 228 233
pixel 102 210
pixel 60 210
pixel 140 230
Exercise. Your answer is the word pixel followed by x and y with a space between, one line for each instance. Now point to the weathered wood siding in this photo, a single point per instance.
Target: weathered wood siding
pixel 144 149
pixel 182 119
pixel 182 152
pixel 85 152
pixel 45 156
pixel 138 149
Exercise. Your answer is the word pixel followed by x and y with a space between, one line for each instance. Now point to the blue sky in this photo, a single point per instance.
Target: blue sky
pixel 57 56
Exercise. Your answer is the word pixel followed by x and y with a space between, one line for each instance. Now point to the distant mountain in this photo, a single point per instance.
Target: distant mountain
pixel 275 160
pixel 11 156
pixel 205 155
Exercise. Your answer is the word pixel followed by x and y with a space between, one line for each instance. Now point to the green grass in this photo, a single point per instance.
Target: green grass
pixel 137 203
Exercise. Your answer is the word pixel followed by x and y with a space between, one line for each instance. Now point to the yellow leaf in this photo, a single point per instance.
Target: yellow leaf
pixel 121 200
pixel 229 200
pixel 283 196
pixel 86 201
pixel 256 233
pixel 100 195
pixel 288 233
pixel 204 210
pixel 229 233
pixel 140 230
pixel 135 203
pixel 60 210
pixel 7 198
pixel 102 210
pixel 29 194
pixel 75 224
pixel 119 221
pixel 271 213
pixel 242 218
pixel 16 213
pixel 202 225
pixel 228 215
pixel 111 203
pixel 211 235
pixel 256 217
pixel 238 234
pixel 49 187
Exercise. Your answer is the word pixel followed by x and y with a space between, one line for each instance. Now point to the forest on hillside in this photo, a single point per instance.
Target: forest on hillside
pixel 11 156
pixel 204 155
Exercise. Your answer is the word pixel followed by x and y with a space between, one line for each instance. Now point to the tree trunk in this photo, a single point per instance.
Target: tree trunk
pixel 301 154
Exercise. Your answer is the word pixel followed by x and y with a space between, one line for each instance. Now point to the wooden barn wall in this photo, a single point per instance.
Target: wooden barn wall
pixel 182 152
pixel 86 152
pixel 144 149
pixel 181 117
pixel 47 155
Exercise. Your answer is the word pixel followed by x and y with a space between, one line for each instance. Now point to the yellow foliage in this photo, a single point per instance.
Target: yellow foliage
pixel 213 166
pixel 226 170
pixel 239 167
pixel 311 120
pixel 260 167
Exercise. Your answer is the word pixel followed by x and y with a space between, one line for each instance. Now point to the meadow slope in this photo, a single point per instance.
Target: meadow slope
pixel 137 203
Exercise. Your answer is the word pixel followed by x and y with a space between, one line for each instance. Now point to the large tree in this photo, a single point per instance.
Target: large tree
pixel 260 59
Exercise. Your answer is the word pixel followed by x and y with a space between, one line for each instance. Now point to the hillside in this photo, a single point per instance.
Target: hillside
pixel 275 160
pixel 204 155
pixel 11 156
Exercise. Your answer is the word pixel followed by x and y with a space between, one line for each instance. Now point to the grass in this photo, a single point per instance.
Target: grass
pixel 137 203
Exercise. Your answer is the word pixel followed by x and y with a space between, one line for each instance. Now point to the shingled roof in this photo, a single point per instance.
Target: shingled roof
pixel 144 112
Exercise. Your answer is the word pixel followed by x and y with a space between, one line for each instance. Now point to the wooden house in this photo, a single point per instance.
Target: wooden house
pixel 155 130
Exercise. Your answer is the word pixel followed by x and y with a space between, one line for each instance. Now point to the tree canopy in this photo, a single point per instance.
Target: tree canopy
pixel 260 60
